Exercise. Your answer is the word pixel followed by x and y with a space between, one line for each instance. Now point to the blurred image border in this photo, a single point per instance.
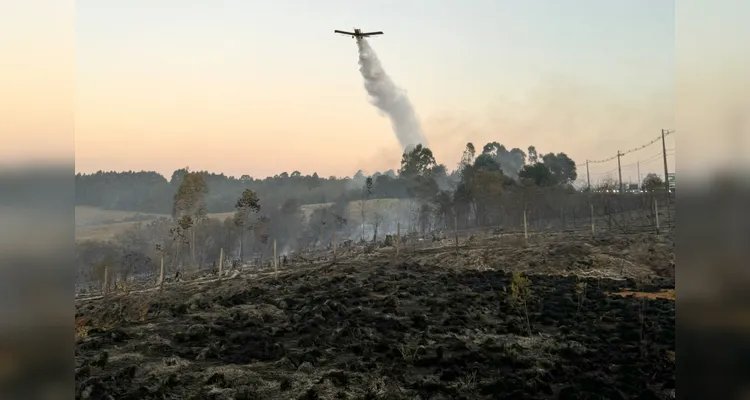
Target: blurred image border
pixel 712 114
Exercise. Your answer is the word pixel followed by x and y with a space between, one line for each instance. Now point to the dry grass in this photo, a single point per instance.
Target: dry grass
pixel 668 294
pixel 82 328
pixel 94 223
pixel 355 208
pixel 103 231
pixel 517 240
pixel 86 215
pixel 375 205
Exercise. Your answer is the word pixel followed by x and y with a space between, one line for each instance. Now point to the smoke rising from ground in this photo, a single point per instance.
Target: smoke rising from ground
pixel 389 98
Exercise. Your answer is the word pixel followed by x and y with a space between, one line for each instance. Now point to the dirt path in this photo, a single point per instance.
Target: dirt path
pixel 668 294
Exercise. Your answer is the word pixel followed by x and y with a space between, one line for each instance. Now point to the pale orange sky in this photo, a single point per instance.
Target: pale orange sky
pixel 261 88
pixel 37 74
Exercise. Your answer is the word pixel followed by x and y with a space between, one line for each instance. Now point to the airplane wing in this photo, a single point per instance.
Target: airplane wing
pixel 343 32
pixel 372 33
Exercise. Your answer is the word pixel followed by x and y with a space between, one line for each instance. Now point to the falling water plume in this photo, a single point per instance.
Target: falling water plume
pixel 389 98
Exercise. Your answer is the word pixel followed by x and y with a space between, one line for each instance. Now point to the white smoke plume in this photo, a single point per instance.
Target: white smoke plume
pixel 389 98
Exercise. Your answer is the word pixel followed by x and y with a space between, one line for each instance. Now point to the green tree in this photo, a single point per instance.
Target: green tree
pixel 488 163
pixel 536 174
pixel 417 162
pixel 520 294
pixel 652 182
pixel 563 168
pixel 480 187
pixel 487 187
pixel 533 155
pixel 189 206
pixel 510 161
pixel 247 205
pixel 467 158
pixel 443 207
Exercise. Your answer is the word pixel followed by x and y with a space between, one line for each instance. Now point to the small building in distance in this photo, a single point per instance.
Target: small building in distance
pixel 671 179
pixel 632 188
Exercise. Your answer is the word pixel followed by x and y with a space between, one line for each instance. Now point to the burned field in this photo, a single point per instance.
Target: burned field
pixel 426 327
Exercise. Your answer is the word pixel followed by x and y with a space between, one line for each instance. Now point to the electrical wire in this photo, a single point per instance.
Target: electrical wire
pixel 633 150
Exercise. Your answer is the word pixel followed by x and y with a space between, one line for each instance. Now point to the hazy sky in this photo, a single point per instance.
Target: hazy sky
pixel 262 87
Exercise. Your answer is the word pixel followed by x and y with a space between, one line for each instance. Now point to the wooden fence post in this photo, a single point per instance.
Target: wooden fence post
pixel 398 238
pixel 161 272
pixel 334 246
pixel 455 230
pixel 221 261
pixel 105 289
pixel 656 214
pixel 525 226
pixel 275 259
pixel 593 228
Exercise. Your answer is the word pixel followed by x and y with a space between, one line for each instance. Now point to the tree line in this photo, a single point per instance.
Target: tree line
pixel 492 186
pixel 270 207
pixel 151 192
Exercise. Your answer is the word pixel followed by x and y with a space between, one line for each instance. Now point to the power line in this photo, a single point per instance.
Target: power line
pixel 633 150
pixel 649 160
pixel 604 173
pixel 666 133
pixel 601 161
pixel 663 154
pixel 646 161
pixel 655 158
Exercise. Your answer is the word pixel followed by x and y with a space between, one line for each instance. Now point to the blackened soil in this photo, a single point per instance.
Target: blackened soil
pixel 378 331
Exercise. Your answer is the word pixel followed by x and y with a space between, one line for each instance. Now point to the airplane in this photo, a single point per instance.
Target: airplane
pixel 358 33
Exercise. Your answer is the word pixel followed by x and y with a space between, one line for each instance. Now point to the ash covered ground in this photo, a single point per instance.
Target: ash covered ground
pixel 436 324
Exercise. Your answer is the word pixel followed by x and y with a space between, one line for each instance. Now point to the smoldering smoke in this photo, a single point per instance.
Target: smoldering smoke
pixel 389 98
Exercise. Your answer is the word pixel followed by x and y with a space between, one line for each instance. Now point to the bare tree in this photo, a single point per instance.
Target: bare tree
pixel 377 220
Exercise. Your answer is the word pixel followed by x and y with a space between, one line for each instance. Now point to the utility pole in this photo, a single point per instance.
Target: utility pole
pixel 666 171
pixel 588 175
pixel 619 169
pixel 638 164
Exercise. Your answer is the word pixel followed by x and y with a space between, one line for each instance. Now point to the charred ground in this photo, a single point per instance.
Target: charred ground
pixel 435 325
